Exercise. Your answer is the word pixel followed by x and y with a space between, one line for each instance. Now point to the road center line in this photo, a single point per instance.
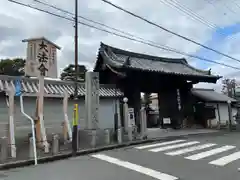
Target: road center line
pixel 159 144
pixel 135 167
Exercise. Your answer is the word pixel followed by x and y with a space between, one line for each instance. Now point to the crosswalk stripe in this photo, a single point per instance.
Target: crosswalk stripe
pixel 159 144
pixel 173 146
pixel 209 153
pixel 190 149
pixel 135 167
pixel 226 159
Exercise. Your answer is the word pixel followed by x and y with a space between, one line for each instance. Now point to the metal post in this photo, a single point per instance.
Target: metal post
pixel 75 130
pixel 11 123
pixel 4 149
pixel 55 144
pixel 33 129
pixel 75 126
pixel 66 124
pixel 229 115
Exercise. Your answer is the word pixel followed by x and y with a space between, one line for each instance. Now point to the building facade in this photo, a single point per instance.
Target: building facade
pixel 218 104
pixel 172 79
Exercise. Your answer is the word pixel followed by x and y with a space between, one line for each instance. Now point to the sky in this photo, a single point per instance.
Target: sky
pixel 17 23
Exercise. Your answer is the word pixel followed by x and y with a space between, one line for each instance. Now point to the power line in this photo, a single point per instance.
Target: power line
pixel 169 31
pixel 236 3
pixel 87 19
pixel 101 24
pixel 226 7
pixel 164 47
pixel 126 37
pixel 188 12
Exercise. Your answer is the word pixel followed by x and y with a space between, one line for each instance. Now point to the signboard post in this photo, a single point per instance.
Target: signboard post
pixel 43 59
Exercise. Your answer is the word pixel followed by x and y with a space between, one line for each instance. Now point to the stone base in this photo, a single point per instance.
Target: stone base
pixel 85 137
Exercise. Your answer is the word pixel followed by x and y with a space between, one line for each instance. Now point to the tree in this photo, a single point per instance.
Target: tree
pixel 12 67
pixel 68 73
pixel 228 87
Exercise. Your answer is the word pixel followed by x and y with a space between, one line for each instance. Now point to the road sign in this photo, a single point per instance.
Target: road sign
pixel 17 88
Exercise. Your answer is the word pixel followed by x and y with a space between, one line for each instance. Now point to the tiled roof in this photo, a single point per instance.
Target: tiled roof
pixel 54 88
pixel 210 95
pixel 120 58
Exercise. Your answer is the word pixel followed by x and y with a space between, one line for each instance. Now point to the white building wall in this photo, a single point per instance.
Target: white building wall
pixel 223 112
pixel 53 115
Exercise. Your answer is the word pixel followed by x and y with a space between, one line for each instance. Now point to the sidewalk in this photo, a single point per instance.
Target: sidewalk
pixel 153 135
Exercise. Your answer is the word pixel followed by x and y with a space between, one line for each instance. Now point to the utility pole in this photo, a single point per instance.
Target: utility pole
pixel 75 120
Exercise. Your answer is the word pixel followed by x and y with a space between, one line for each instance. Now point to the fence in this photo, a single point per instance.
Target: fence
pixel 60 143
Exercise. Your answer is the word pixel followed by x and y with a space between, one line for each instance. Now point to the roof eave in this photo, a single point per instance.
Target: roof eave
pixel 42 38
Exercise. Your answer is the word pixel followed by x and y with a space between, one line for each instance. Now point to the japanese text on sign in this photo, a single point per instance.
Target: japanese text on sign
pixel 42 58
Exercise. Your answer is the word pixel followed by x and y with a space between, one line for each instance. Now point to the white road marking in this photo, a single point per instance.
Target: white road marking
pixel 159 144
pixel 190 149
pixel 226 159
pixel 135 167
pixel 209 153
pixel 173 146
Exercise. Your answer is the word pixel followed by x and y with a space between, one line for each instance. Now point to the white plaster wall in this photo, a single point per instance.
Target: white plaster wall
pixel 223 111
pixel 53 115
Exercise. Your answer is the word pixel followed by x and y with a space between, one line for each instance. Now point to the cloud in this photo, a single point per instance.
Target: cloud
pixel 17 23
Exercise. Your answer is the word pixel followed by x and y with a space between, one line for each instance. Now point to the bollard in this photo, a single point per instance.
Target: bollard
pixel 130 134
pixel 119 135
pixel 31 152
pixel 4 149
pixel 130 129
pixel 55 144
pixel 107 136
pixel 143 123
pixel 94 138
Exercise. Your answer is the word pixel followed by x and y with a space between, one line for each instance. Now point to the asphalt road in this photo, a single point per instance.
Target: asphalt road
pixel 194 158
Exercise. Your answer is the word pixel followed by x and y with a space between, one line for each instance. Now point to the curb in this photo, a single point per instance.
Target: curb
pixel 47 159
